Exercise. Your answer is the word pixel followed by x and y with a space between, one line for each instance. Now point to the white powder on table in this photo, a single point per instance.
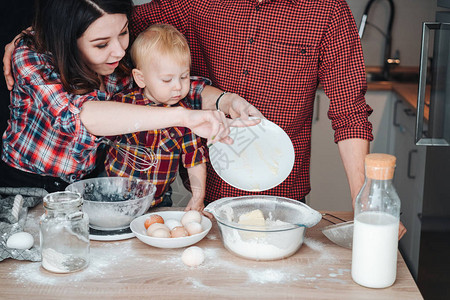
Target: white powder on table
pixel 103 260
pixel 269 275
pixel 107 259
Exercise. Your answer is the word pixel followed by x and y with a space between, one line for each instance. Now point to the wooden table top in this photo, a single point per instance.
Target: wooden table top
pixel 130 269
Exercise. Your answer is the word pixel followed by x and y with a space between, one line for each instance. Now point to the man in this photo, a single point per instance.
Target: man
pixel 274 54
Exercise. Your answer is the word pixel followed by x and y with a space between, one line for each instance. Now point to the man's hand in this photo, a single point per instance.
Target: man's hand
pixel 237 107
pixel 9 48
pixel 401 230
pixel 7 65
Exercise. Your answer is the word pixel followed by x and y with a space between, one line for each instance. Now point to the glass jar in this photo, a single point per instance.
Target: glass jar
pixel 376 223
pixel 64 233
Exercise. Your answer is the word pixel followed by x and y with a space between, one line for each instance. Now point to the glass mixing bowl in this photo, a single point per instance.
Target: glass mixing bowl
pixel 111 203
pixel 282 234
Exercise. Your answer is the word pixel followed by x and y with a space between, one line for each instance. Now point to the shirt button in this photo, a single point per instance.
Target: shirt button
pixel 172 134
pixel 246 72
pixel 303 51
pixel 250 40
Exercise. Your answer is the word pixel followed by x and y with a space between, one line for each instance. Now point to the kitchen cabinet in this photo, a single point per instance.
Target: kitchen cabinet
pixel 329 186
pixel 408 180
pixel 421 180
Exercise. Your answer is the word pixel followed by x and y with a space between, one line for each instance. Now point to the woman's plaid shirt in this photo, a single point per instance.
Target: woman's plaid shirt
pixel 45 135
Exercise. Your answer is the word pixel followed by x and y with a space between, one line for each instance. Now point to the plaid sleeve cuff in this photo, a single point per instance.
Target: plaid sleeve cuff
pixel 85 144
pixel 198 156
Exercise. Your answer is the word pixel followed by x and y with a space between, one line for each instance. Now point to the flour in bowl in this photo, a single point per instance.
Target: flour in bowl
pixel 264 242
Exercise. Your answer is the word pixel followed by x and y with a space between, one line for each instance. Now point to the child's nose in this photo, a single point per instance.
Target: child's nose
pixel 177 85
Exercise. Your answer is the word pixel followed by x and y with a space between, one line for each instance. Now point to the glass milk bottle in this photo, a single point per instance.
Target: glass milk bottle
pixel 64 233
pixel 376 223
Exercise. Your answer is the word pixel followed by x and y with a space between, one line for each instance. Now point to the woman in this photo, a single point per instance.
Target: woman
pixel 63 72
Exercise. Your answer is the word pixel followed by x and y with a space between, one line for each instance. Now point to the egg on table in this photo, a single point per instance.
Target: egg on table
pixel 193 256
pixel 20 240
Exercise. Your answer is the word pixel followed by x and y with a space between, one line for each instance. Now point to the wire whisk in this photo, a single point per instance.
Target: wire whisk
pixel 139 158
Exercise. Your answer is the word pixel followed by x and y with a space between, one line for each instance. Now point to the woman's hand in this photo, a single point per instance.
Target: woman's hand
pixel 213 125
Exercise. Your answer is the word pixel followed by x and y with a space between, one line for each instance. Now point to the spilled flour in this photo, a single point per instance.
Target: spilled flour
pixel 101 261
pixel 107 260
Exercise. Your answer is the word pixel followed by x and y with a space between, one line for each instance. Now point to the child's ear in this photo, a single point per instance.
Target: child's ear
pixel 138 78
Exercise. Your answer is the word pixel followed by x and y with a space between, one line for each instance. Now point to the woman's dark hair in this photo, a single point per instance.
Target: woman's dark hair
pixel 57 26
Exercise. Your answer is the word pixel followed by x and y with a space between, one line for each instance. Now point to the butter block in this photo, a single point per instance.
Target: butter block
pixel 253 218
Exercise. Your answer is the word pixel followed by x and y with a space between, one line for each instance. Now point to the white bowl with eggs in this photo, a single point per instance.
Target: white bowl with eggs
pixel 138 228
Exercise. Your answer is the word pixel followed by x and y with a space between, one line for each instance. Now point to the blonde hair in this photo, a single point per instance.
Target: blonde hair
pixel 160 40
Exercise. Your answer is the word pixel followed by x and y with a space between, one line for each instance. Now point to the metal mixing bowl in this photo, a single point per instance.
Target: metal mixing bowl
pixel 280 237
pixel 111 203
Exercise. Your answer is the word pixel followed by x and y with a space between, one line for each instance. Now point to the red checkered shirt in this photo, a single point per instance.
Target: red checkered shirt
pixel 45 135
pixel 275 54
pixel 168 144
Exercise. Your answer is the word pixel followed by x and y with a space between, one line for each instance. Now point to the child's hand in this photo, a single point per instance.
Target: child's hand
pixel 197 204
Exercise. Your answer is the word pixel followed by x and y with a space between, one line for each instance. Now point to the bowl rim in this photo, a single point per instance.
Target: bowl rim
pixel 253 228
pixel 138 180
pixel 211 207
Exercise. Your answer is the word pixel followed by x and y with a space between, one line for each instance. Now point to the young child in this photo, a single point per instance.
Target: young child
pixel 162 59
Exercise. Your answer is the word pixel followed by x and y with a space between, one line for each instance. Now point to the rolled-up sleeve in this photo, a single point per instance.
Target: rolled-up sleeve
pixel 342 74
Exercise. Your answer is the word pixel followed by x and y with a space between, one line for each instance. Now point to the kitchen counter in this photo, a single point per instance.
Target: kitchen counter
pixel 130 269
pixel 406 91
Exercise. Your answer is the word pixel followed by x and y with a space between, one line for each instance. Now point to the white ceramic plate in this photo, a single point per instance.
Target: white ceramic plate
pixel 138 228
pixel 260 158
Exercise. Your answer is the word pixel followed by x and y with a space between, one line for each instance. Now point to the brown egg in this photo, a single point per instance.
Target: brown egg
pixel 153 219
pixel 178 231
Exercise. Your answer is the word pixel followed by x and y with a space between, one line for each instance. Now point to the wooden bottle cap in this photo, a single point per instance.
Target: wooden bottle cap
pixel 380 166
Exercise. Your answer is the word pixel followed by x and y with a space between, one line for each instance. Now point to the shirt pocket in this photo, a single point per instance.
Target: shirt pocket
pixel 169 140
pixel 294 58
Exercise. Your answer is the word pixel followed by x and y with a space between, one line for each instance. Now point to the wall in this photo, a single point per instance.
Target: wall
pixel 406 30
